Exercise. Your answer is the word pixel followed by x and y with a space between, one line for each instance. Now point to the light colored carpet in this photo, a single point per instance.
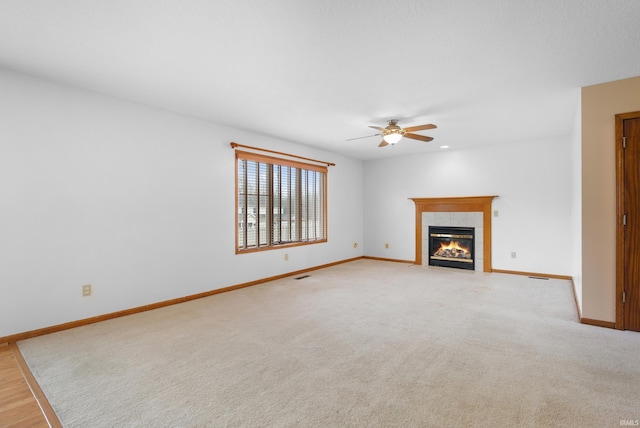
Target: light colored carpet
pixel 365 343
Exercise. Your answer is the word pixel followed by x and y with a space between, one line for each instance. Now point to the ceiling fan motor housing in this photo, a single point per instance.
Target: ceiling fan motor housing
pixel 393 128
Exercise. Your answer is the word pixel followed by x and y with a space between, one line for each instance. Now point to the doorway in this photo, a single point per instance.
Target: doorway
pixel 628 221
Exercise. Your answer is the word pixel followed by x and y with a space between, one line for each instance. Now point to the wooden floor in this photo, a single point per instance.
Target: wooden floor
pixel 22 403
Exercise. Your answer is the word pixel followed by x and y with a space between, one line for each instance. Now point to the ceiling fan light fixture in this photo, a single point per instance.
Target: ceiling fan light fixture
pixel 392 137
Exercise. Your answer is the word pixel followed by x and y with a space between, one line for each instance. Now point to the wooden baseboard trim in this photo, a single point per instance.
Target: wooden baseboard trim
pixel 47 411
pixel 542 275
pixel 598 323
pixel 86 321
pixel 382 259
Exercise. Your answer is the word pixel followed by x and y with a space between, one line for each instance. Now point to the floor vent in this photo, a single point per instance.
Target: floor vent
pixel 539 277
pixel 303 277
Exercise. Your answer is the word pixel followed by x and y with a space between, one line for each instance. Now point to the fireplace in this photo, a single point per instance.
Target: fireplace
pixel 452 247
pixel 468 211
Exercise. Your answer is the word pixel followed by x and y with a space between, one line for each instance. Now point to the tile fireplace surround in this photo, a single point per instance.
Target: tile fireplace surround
pixel 457 219
pixel 466 211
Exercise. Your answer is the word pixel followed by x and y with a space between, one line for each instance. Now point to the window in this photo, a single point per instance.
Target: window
pixel 279 202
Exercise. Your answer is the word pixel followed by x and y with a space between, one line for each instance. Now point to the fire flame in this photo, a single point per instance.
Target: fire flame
pixel 453 245
pixel 453 248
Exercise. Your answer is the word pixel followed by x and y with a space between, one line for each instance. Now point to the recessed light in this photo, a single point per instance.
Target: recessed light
pixel 444 147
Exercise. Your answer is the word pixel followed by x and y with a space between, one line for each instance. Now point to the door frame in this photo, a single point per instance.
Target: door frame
pixel 620 262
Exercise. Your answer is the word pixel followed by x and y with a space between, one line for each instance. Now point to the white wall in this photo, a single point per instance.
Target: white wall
pixel 136 201
pixel 531 178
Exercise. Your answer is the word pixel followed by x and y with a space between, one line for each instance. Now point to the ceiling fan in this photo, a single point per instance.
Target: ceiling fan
pixel 392 133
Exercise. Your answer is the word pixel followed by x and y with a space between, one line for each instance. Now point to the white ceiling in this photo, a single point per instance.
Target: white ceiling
pixel 318 72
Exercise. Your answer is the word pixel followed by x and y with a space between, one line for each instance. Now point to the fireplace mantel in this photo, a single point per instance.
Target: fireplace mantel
pixel 456 204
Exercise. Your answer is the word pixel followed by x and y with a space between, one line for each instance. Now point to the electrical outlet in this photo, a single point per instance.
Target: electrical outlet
pixel 86 290
pixel 286 256
pixel 386 245
pixel 355 245
pixel 513 254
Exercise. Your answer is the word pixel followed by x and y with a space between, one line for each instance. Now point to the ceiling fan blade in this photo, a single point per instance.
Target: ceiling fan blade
pixel 366 136
pixel 376 127
pixel 419 137
pixel 419 128
pixel 384 143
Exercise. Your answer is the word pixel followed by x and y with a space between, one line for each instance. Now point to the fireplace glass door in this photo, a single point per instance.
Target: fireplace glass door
pixel 452 247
